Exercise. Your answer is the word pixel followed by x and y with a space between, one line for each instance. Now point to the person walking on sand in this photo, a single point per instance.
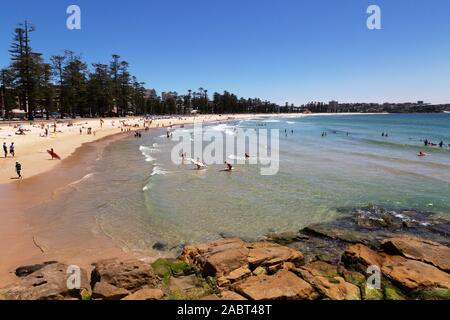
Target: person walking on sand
pixel 11 149
pixel 5 149
pixel 18 170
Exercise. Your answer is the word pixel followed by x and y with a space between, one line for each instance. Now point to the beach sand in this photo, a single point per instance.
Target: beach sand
pixel 30 239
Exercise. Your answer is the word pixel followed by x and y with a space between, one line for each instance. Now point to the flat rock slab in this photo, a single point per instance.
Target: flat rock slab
pixel 267 254
pixel 106 291
pixel 411 275
pixel 281 286
pixel 418 249
pixel 146 294
pixel 325 279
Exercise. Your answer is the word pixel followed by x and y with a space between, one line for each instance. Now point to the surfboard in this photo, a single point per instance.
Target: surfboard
pixel 53 154
pixel 197 163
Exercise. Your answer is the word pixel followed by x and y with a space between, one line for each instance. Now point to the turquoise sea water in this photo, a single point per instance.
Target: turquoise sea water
pixel 139 196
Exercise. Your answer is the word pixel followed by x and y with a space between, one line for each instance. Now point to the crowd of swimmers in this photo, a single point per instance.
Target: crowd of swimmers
pixel 428 143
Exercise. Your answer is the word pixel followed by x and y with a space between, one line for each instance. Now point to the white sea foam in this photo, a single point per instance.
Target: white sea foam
pixel 235 157
pixel 228 130
pixel 272 121
pixel 89 175
pixel 146 152
pixel 157 170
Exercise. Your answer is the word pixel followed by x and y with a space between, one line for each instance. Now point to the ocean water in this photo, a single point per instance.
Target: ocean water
pixel 138 196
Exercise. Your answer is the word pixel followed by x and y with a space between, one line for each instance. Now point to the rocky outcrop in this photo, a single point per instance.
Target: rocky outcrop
pixel 418 249
pixel 232 269
pixel 131 275
pixel 281 286
pixel 232 260
pixel 47 283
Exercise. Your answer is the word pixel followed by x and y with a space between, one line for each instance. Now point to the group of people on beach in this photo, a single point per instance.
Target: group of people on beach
pixel 11 149
pixel 12 152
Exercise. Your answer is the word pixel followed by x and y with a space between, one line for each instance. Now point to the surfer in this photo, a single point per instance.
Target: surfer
pixel 247 156
pixel 200 165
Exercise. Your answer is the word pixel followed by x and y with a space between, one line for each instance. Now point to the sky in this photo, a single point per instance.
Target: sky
pixel 293 51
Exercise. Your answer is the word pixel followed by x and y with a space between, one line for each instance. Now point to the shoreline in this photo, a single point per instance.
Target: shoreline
pixel 26 239
pixel 31 148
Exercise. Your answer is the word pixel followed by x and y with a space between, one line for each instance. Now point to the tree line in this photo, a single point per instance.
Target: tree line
pixel 68 86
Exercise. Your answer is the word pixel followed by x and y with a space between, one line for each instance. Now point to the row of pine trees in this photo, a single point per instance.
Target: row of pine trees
pixel 68 86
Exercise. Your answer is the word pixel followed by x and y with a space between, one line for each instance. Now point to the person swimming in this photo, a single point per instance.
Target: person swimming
pixel 422 154
pixel 229 166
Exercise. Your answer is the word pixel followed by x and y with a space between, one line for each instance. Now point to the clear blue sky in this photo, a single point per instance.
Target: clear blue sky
pixel 281 50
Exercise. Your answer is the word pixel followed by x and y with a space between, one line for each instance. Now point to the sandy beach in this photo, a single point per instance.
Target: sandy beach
pixel 26 239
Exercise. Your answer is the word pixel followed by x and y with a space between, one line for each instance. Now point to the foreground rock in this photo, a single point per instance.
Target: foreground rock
pixel 47 283
pixel 423 250
pixel 146 294
pixel 106 291
pixel 131 275
pixel 282 285
pixel 325 279
pixel 416 278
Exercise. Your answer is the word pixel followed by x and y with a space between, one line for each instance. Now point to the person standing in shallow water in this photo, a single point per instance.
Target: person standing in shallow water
pixel 19 170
